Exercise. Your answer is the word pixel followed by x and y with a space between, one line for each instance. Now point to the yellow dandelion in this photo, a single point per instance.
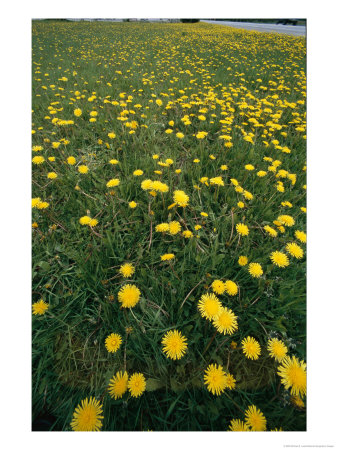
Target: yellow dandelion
pixel 174 227
pixel 301 236
pixel 40 307
pixel 83 169
pixel 174 344
pixel 71 160
pixel 251 347
pixel 293 375
pixel 181 198
pixel 238 425
pixel 52 175
pixel 230 381
pixel 93 222
pixel 88 416
pixel 279 259
pixel 286 220
pixel 127 270
pixel 297 401
pixel 113 342
pixel 225 321
pixel 35 202
pixel 84 220
pixel 180 135
pixel 242 260
pixel 271 231
pixel 137 384
pixel 242 229
pixel 38 160
pixel 113 182
pixel 162 227
pixel 277 349
pixel 167 257
pixel 218 181
pixel 218 286
pixel 231 287
pixel 138 173
pixel 129 296
pixel 187 234
pixel 255 270
pixel 146 185
pixel 118 385
pixel 132 205
pixel 255 419
pixel 294 250
pixel 77 112
pixel 113 162
pixel 209 306
pixel 215 379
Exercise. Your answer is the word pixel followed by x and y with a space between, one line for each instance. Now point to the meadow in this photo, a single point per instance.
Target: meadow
pixel 168 228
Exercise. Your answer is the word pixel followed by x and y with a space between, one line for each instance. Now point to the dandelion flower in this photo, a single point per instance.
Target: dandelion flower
pixel 230 381
pixel 113 162
pixel 113 182
pixel 255 270
pixel 174 227
pixel 146 185
pixel 159 187
pixel 187 234
pixel 225 321
pixel 40 307
pixel 162 227
pixel 118 385
pixel 242 229
pixel 174 344
pixel 279 259
pixel 71 160
pixel 215 379
pixel 88 416
pixel 52 175
pixel 297 401
pixel 132 204
pixel 137 384
pixel 167 257
pixel 294 250
pixel 218 286
pixel 138 173
pixel 127 270
pixel 255 419
pixel 277 349
pixel 249 167
pixel 251 347
pixel 181 198
pixel 38 160
pixel 129 296
pixel 238 425
pixel 113 342
pixel 242 260
pixel 84 220
pixel 83 169
pixel 209 306
pixel 93 222
pixel 231 287
pixel 301 236
pixel 293 375
pixel 35 202
pixel 77 112
pixel 180 135
pixel 286 220
pixel 217 181
pixel 272 232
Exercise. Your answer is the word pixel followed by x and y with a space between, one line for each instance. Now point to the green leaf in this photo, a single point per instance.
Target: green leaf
pixel 153 384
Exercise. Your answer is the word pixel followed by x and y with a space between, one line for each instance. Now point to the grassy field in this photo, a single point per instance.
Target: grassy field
pixel 179 149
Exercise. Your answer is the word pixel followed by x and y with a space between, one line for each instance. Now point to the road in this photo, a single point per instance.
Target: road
pixel 294 30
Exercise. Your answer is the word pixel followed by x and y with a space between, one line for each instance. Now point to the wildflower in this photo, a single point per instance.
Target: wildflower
pixel 230 381
pixel 84 220
pixel 242 229
pixel 261 173
pixel 162 227
pixel 113 162
pixel 174 344
pixel 167 257
pixel 127 270
pixel 209 306
pixel 118 385
pixel 146 185
pixel 132 204
pixel 196 161
pixel 37 148
pixel 42 205
pixel 187 234
pixel 286 220
pixel 238 425
pixel 180 135
pixel 217 181
pixel 215 379
pixel 87 416
pixel 218 286
pixel 294 250
pixel 248 195
pixel 242 260
pixel 277 349
pixel 297 401
pixel 71 160
pixel 113 342
pixel 270 231
pixel 231 287
pixel 181 198
pixel 40 307
pixel 38 160
pixel 129 296
pixel 293 375
pixel 174 227
pixel 56 144
pixel 225 321
pixel 93 222
pixel 137 384
pixel 249 167
pixel 159 186
pixel 52 175
pixel 83 169
pixel 113 182
pixel 251 347
pixel 240 205
pixel 279 259
pixel 35 202
pixel 112 135
pixel 255 419
pixel 301 236
pixel 51 158
pixel 138 173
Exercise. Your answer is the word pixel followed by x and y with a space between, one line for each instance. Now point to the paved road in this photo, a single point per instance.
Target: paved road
pixel 295 30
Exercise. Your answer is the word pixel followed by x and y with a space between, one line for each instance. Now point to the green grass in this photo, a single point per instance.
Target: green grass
pixel 75 269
